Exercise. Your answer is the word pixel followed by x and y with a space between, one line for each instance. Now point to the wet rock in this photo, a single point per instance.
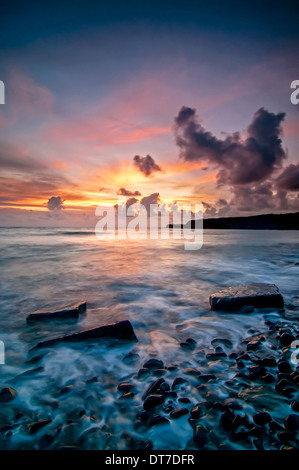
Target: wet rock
pixel 152 401
pixel 295 405
pixel 184 400
pixel 67 389
pixel 37 426
pixel 286 339
pixel 267 362
pixel 284 385
pixel 191 341
pixel 178 413
pixel 219 406
pixel 256 371
pixel 196 412
pixel 207 377
pixel 285 437
pixel 216 356
pixel 252 345
pixel 200 436
pixel 291 423
pixel 127 395
pixel 164 387
pixel 7 394
pixel 159 420
pixel 125 387
pixel 71 311
pixel 153 364
pixel 191 371
pixel 261 418
pixel 255 295
pixel 121 330
pixel 177 381
pixel 168 409
pixel 284 367
pixel 153 387
pixel 268 378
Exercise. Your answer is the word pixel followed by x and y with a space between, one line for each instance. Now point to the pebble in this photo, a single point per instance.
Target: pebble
pixel 153 364
pixel 7 394
pixel 152 401
pixel 153 387
pixel 196 412
pixel 261 418
pixel 295 405
pixel 184 400
pixel 178 413
pixel 125 387
pixel 177 381
pixel 284 367
pixel 286 339
pixel 191 371
pixel 159 420
pixel 291 423
pixel 37 426
pixel 252 345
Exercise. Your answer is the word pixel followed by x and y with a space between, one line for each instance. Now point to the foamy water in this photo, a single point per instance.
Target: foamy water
pixel 161 288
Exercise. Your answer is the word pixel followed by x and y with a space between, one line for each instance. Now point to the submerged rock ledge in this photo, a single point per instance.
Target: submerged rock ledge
pixel 258 295
pixel 122 330
pixel 70 311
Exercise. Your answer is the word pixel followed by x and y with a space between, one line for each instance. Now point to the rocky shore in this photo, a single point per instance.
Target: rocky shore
pixel 235 398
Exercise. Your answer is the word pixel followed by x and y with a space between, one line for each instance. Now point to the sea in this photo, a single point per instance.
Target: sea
pixel 162 289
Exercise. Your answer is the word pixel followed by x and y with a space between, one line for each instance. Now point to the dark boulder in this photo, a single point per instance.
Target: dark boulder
pixel 70 311
pixel 121 330
pixel 256 294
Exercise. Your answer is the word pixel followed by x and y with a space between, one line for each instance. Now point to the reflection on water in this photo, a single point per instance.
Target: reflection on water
pixel 163 289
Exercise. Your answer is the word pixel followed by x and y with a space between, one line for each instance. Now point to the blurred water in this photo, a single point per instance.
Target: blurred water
pixel 160 287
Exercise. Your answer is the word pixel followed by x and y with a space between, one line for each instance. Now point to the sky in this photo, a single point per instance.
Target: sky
pixel 179 102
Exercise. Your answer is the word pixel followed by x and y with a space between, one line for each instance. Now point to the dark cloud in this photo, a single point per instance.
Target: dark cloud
pixel 289 178
pixel 239 161
pixel 151 199
pixel 55 203
pixel 127 192
pixel 13 159
pixel 146 165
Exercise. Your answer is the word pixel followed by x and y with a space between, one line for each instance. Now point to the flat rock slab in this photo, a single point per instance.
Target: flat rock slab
pixel 256 295
pixel 69 311
pixel 122 330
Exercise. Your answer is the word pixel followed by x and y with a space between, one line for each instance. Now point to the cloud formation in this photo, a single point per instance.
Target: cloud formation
pixel 146 165
pixel 289 178
pixel 239 161
pixel 55 203
pixel 127 192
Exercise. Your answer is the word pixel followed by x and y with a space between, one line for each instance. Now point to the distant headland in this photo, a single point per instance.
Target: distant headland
pixel 288 221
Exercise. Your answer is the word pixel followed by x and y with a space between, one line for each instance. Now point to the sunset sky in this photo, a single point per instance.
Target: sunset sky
pixel 190 100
